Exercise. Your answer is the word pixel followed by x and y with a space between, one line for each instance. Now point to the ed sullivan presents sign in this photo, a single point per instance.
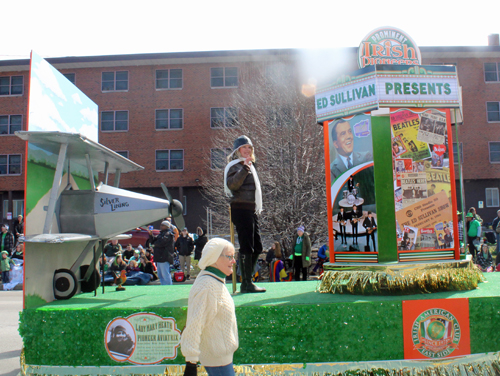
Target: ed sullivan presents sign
pixel 389 86
pixel 436 328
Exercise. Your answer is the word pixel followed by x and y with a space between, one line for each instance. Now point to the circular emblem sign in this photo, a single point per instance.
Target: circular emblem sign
pixel 388 45
pixel 436 333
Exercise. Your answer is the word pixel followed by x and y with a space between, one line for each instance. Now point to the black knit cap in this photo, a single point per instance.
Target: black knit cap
pixel 240 141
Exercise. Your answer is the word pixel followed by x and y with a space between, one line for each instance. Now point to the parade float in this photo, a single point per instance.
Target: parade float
pixel 397 297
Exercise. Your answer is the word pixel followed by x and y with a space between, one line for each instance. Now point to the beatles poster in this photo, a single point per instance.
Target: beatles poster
pixel 422 179
pixel 352 183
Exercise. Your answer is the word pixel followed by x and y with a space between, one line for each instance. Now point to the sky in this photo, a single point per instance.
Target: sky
pixel 55 28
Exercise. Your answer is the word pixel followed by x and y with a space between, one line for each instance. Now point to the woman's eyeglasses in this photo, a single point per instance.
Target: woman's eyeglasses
pixel 229 257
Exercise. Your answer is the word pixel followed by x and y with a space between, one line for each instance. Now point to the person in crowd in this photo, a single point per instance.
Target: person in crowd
pixel 5 264
pixel 199 243
pixel 242 185
pixel 370 226
pixel 103 260
pixel 271 252
pixel 473 233
pixel 133 266
pixel 163 251
pixel 494 226
pixel 19 252
pixel 136 256
pixel 6 239
pixel 476 216
pixel 184 246
pixel 301 254
pixel 342 219
pixel 321 259
pixel 147 266
pixel 211 333
pixel 111 249
pixel 484 259
pixel 118 264
pixel 173 228
pixel 460 225
pixel 277 270
pixel 128 253
pixel 18 228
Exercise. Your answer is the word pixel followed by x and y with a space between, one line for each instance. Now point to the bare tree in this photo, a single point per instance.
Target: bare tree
pixel 288 144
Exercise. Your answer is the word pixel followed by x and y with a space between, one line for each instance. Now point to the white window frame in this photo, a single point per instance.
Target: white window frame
pixel 168 119
pixel 9 123
pixel 224 76
pixel 114 122
pixel 226 110
pixel 487 112
pixel 494 197
pixel 8 164
pixel 114 82
pixel 170 159
pixel 497 66
pixel 10 87
pixel 169 80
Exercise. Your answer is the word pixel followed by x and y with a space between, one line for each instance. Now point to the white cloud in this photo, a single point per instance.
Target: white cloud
pixel 48 78
pixel 76 98
pixel 90 114
pixel 44 114
pixel 89 131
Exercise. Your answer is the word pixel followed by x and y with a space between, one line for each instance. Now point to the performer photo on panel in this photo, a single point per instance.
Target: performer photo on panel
pixel 242 185
pixel 354 217
pixel 341 219
pixel 370 226
pixel 343 141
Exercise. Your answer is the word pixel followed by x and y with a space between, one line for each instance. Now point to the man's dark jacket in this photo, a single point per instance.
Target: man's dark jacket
pixel 184 245
pixel 163 245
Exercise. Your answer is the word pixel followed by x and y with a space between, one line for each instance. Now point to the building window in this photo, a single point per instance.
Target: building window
pixel 169 79
pixel 10 123
pixel 114 121
pixel 455 153
pixel 17 208
pixel 218 157
pixel 223 117
pixel 10 164
pixel 70 77
pixel 492 197
pixel 169 160
pixel 122 153
pixel 493 109
pixel 169 119
pixel 224 77
pixel 11 85
pixel 491 72
pixel 494 148
pixel 115 81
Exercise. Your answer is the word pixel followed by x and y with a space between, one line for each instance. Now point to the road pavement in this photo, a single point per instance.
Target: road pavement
pixel 11 303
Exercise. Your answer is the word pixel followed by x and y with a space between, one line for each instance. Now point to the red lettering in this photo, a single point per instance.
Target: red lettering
pixel 396 51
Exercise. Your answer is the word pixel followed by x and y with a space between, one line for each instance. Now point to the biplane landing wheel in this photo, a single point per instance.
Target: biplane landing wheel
pixel 65 284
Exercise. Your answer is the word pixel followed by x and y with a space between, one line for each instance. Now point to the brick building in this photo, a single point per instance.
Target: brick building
pixel 161 110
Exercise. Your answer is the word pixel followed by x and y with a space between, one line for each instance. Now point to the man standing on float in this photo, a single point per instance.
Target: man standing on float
pixel 242 185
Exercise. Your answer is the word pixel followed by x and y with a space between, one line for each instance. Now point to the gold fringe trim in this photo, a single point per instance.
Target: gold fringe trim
pixel 404 281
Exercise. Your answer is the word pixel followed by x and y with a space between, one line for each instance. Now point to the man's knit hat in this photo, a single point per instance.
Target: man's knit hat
pixel 240 141
pixel 212 251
